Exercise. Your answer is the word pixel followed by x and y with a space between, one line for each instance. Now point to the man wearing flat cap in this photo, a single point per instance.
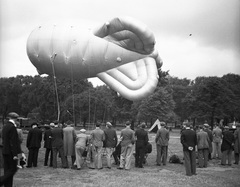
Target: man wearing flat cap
pixel 11 149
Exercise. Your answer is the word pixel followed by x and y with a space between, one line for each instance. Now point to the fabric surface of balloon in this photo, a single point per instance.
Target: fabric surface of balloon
pixel 120 52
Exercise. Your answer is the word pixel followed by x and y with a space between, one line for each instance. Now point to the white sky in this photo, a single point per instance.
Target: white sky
pixel 212 50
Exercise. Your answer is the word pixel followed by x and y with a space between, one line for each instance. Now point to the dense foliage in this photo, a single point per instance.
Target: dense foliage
pixel 174 100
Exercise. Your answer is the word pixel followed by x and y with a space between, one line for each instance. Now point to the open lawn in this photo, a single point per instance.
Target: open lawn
pixel 172 175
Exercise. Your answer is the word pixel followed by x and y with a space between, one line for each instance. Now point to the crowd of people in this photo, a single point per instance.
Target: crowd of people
pixel 206 144
pixel 64 142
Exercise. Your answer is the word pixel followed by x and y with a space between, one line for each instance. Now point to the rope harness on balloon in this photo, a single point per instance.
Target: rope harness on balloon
pixel 120 52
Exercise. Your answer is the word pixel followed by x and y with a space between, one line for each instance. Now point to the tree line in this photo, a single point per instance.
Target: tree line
pixel 174 100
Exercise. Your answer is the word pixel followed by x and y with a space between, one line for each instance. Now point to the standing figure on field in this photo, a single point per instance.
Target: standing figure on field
pixel 10 150
pixel 141 145
pixel 57 145
pixel 33 144
pixel 206 128
pixel 110 142
pixel 69 139
pixel 161 139
pixel 227 146
pixel 80 146
pixel 237 144
pixel 97 139
pixel 203 147
pixel 48 145
pixel 127 145
pixel 217 141
pixel 189 142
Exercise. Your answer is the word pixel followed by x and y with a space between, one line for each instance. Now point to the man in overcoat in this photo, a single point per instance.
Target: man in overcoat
pixel 11 150
pixel 33 144
pixel 69 139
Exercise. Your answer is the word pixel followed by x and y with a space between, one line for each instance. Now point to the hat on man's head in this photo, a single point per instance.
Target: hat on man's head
pixel 205 125
pixel 82 130
pixel 34 123
pixel 226 127
pixel 109 124
pixel 13 115
pixel 143 125
pixel 51 124
pixel 128 123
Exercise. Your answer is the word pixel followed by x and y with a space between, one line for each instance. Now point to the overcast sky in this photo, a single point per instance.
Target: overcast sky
pixel 213 49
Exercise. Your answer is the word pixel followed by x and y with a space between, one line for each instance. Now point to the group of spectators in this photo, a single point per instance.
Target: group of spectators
pixel 64 142
pixel 216 144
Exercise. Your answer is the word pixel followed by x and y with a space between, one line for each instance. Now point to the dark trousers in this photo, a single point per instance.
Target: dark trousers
pixel 236 156
pixel 59 150
pixel 162 152
pixel 116 154
pixel 47 152
pixel 33 157
pixel 203 157
pixel 139 155
pixel 10 168
pixel 190 162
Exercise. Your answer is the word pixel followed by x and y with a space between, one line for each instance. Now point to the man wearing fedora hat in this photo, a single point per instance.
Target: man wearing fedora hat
pixel 33 144
pixel 11 149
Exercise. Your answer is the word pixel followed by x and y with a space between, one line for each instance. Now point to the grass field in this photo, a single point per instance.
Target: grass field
pixel 172 175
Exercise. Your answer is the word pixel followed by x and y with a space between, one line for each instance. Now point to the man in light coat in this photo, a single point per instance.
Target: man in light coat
pixel 203 147
pixel 127 145
pixel 217 140
pixel 161 139
pixel 97 138
pixel 69 139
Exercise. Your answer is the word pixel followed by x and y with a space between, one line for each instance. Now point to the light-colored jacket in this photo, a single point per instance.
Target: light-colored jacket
pixel 69 137
pixel 82 140
pixel 202 140
pixel 217 135
pixel 162 137
pixel 127 136
pixel 97 137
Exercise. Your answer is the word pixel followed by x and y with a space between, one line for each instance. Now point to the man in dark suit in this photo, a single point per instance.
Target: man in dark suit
pixel 48 145
pixel 11 150
pixel 33 144
pixel 141 143
pixel 57 145
pixel 189 142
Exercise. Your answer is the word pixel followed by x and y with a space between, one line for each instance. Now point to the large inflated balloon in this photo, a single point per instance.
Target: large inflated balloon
pixel 120 52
